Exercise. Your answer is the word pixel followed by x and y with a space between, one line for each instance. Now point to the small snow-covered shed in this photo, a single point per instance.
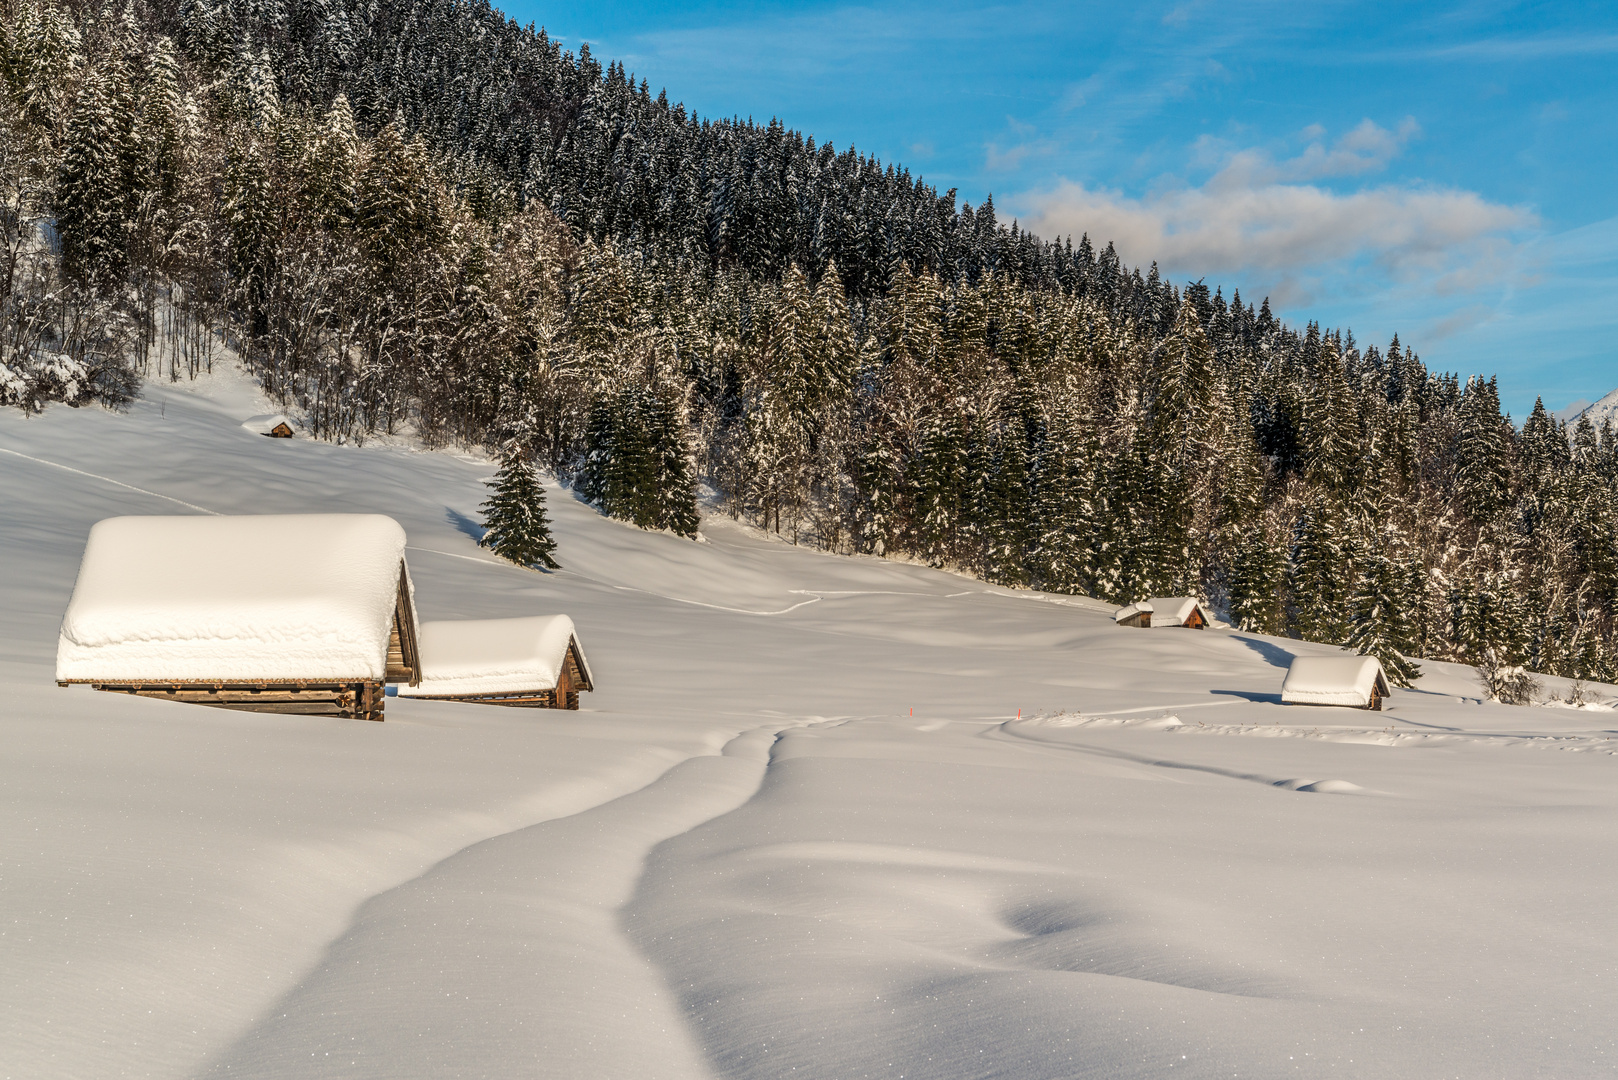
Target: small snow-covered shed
pixel 1137 614
pixel 1355 681
pixel 1179 611
pixel 275 425
pixel 533 662
pixel 294 613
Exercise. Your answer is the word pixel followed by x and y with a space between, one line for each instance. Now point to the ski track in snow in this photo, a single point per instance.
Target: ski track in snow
pixel 110 480
pixel 1028 730
pixel 482 924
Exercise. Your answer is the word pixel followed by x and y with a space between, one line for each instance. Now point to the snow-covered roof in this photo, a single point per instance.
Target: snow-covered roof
pixel 272 597
pixel 267 423
pixel 1176 610
pixel 1333 680
pixel 495 656
pixel 1129 612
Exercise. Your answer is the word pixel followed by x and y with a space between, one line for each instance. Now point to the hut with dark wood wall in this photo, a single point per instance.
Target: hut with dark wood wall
pixel 1355 682
pixel 533 662
pixel 294 613
pixel 1138 614
pixel 1187 611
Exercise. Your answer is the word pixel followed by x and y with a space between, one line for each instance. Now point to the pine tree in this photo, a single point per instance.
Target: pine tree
pixel 1330 426
pixel 676 487
pixel 1483 451
pixel 1255 581
pixel 1323 572
pixel 91 200
pixel 938 491
pixel 1003 507
pixel 1381 618
pixel 514 520
pixel 877 482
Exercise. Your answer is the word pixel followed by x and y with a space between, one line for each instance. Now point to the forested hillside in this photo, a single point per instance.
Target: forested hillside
pixel 422 216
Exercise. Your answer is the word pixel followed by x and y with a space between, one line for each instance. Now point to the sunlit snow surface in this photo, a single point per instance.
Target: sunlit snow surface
pixel 822 817
pixel 262 596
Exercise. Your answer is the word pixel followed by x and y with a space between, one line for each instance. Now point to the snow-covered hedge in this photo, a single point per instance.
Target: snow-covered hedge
pixel 35 380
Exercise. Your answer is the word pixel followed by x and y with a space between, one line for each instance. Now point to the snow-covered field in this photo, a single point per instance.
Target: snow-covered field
pixel 823 817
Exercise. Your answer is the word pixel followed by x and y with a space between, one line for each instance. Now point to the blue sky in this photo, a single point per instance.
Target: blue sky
pixel 1446 172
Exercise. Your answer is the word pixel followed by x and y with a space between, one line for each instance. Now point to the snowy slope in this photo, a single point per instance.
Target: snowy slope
pixel 823 817
pixel 1603 410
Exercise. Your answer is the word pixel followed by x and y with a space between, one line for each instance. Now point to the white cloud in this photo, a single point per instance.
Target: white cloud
pixel 1456 322
pixel 1259 215
pixel 1548 47
pixel 997 158
pixel 1365 149
pixel 1226 226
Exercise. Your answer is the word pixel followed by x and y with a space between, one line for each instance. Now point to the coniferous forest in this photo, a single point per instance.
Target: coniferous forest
pixel 415 216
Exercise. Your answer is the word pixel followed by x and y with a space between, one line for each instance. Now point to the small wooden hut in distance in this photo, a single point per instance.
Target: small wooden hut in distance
pixel 276 426
pixel 299 613
pixel 532 662
pixel 1137 614
pixel 1185 611
pixel 1356 682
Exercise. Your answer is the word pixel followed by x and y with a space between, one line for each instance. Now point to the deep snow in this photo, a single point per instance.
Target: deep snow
pixel 251 596
pixel 825 817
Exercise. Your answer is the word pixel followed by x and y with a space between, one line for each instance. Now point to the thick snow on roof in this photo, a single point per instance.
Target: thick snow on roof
pixel 270 597
pixel 1174 610
pixel 1332 680
pixel 492 656
pixel 267 423
pixel 1131 611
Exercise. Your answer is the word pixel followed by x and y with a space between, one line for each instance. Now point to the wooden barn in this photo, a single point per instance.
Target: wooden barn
pixel 1137 614
pixel 276 426
pixel 532 662
pixel 1356 682
pixel 1185 611
pixel 298 613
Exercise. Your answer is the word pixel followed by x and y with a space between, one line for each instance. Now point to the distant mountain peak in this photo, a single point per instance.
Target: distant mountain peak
pixel 1606 408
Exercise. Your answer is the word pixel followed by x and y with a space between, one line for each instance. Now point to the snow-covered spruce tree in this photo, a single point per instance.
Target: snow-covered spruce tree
pixel 936 489
pixel 590 477
pixel 637 460
pixel 1255 581
pixel 1321 578
pixel 876 477
pixel 1381 618
pixel 619 470
pixel 91 200
pixel 1482 452
pixel 676 500
pixel 1329 424
pixel 515 524
pixel 1004 507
